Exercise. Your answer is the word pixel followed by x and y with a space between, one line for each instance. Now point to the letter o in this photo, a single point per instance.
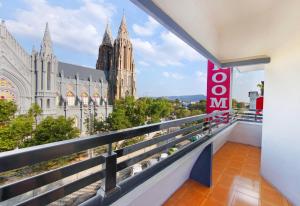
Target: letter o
pixel 214 90
pixel 214 77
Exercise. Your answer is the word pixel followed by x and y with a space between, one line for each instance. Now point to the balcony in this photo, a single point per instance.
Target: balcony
pixel 100 180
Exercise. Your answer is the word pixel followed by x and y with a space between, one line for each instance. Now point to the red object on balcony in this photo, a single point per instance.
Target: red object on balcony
pixel 259 105
pixel 218 88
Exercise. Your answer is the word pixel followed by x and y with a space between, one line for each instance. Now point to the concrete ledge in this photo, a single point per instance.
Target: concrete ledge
pixel 161 186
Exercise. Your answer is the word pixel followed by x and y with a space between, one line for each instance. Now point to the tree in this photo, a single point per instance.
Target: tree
pixel 35 110
pixel 7 111
pixel 52 130
pixel 13 131
pixel 261 86
pixel 16 132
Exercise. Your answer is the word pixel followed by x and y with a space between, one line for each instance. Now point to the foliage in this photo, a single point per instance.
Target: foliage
pixel 261 86
pixel 238 105
pixel 35 110
pixel 7 111
pixel 52 130
pixel 129 112
pixel 132 141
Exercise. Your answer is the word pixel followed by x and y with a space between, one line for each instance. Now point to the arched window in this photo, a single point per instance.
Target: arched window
pixel 96 97
pixel 70 98
pixel 48 76
pixel 42 76
pixel 85 98
pixel 48 103
pixel 7 90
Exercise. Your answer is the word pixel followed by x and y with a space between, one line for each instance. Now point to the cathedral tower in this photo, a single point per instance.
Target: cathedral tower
pixel 45 69
pixel 124 67
pixel 105 58
pixel 116 60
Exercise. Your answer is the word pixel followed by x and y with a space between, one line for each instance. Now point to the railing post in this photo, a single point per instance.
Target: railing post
pixel 111 172
pixel 209 126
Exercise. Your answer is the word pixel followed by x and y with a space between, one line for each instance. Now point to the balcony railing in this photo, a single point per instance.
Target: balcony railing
pixel 204 127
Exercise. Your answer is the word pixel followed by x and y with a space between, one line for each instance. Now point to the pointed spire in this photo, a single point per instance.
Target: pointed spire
pixel 123 33
pixel 107 37
pixel 46 46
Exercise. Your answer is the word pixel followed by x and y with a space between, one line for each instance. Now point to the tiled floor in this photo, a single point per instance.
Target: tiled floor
pixel 236 182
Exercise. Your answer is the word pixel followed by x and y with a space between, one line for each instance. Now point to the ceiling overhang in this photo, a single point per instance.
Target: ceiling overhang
pixel 231 33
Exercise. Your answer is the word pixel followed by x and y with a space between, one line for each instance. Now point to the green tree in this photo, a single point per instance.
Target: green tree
pixel 52 130
pixel 35 110
pixel 7 111
pixel 16 132
pixel 261 86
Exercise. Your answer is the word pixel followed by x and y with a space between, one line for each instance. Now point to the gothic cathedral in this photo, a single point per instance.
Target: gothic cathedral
pixel 116 60
pixel 66 89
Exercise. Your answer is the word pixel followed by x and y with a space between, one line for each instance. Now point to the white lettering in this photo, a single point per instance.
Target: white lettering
pixel 217 68
pixel 216 104
pixel 223 77
pixel 214 90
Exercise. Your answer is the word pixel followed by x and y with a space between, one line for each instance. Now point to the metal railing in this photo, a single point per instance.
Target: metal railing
pixel 250 116
pixel 108 164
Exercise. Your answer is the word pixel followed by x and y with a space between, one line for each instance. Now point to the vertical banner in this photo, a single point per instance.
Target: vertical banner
pixel 218 88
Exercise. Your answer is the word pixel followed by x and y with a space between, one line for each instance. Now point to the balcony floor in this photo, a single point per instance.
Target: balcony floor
pixel 236 182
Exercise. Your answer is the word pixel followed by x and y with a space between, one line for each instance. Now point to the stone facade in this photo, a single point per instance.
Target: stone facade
pixel 116 60
pixel 66 89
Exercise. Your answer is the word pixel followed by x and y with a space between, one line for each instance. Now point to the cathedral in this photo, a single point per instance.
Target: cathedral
pixel 66 89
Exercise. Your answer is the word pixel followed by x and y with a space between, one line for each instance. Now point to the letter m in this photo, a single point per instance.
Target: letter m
pixel 218 104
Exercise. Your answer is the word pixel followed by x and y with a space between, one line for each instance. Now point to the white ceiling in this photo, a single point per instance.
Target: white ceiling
pixel 235 29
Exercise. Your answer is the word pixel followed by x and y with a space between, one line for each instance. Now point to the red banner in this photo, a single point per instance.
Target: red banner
pixel 218 88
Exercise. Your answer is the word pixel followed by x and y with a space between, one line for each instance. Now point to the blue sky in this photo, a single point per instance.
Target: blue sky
pixel 164 64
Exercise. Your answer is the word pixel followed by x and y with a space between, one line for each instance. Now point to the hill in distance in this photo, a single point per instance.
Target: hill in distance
pixel 188 98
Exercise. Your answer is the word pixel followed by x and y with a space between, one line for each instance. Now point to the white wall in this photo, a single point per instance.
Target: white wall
pixel 249 133
pixel 281 128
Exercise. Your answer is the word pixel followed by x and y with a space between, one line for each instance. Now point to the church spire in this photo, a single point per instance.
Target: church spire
pixel 107 37
pixel 123 33
pixel 46 46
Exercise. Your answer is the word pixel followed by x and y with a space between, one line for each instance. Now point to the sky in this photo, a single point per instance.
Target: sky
pixel 165 65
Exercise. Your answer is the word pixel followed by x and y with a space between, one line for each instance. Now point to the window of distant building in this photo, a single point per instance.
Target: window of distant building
pixel 48 103
pixel 42 76
pixel 70 98
pixel 48 76
pixel 85 98
pixel 7 90
pixel 97 99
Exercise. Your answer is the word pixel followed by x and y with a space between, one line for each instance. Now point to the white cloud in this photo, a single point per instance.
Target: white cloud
pixel 173 75
pixel 201 79
pixel 80 29
pixel 147 29
pixel 169 51
pixel 143 63
pixel 201 75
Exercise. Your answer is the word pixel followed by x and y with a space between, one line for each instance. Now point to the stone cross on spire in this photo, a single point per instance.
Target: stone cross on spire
pixel 46 46
pixel 107 37
pixel 123 33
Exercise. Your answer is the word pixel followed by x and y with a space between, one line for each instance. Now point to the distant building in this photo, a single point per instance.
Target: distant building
pixel 66 89
pixel 253 95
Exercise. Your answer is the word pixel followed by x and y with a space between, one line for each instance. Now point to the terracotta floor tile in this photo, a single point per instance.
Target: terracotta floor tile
pixel 222 194
pixel 241 199
pixel 236 182
pixel 212 202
